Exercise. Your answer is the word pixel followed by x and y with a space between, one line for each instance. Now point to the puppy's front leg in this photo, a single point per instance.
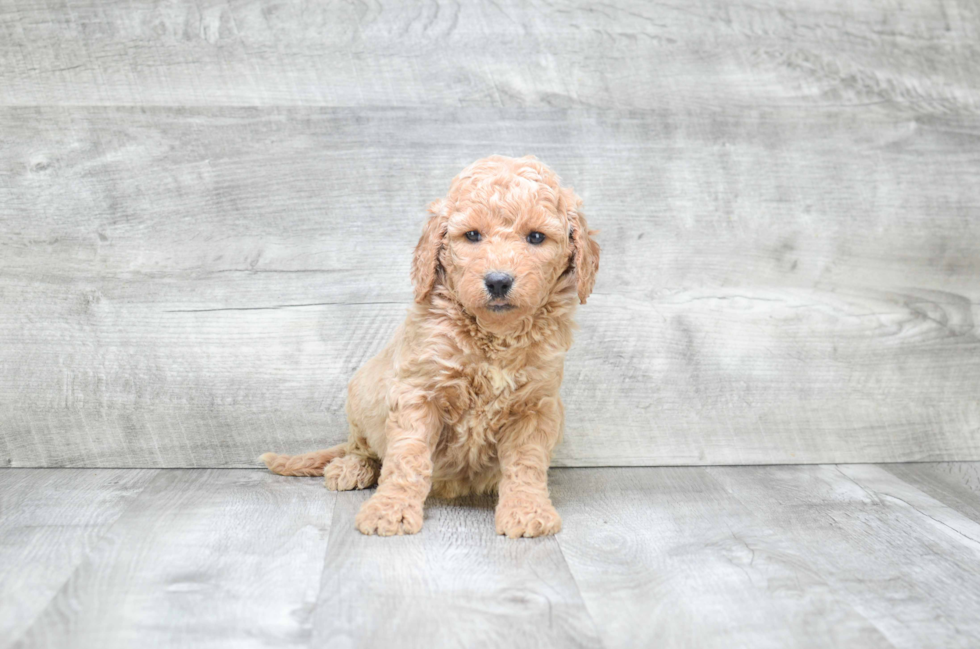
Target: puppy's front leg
pixel 406 471
pixel 524 451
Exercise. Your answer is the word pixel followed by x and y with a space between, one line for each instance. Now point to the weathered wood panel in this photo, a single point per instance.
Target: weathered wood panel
pixel 906 562
pixel 955 484
pixel 50 520
pixel 193 287
pixel 667 557
pixel 203 559
pixel 788 199
pixel 625 54
pixel 786 556
pixel 455 584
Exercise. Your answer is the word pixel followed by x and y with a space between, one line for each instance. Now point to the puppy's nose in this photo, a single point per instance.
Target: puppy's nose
pixel 498 284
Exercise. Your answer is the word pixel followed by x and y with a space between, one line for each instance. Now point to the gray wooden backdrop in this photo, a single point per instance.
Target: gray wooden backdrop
pixel 207 211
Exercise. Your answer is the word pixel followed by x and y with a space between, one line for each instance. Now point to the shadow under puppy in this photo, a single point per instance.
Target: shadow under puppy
pixel 465 397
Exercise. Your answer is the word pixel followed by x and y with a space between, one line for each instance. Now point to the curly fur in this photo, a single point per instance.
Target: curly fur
pixel 465 398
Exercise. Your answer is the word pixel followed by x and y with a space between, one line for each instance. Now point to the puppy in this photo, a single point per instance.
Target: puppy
pixel 465 397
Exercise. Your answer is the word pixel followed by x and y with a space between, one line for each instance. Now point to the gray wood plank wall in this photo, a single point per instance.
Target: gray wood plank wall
pixel 207 213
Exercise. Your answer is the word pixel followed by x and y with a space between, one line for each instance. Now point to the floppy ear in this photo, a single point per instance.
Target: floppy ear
pixel 425 264
pixel 585 251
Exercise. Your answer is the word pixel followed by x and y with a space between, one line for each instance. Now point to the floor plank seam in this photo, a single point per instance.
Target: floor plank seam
pixel 933 518
pixel 18 641
pixel 578 590
pixel 872 495
pixel 842 597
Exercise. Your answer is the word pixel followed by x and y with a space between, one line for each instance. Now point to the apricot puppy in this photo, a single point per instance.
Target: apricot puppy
pixel 464 399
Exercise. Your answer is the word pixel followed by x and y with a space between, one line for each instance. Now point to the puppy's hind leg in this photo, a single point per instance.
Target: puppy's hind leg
pixel 352 471
pixel 306 464
pixel 366 413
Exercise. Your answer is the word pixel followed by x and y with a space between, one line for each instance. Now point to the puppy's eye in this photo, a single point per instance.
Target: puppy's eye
pixel 473 236
pixel 535 238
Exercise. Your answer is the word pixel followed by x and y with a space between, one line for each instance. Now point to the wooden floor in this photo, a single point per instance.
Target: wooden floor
pixel 822 555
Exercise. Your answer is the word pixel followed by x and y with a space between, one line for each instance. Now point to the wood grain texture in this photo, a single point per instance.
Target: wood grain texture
pixel 956 484
pixel 901 559
pixel 668 558
pixel 787 556
pixel 456 584
pixel 50 521
pixel 204 559
pixel 938 514
pixel 197 287
pixel 207 211
pixel 626 54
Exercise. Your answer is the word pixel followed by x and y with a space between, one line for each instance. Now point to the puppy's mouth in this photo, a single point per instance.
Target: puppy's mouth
pixel 500 307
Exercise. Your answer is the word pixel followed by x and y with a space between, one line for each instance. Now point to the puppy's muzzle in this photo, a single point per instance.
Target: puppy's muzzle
pixel 498 284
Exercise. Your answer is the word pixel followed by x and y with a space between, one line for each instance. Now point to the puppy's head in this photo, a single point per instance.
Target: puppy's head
pixel 504 240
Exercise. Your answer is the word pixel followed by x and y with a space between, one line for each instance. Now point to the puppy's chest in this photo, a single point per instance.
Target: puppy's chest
pixel 482 397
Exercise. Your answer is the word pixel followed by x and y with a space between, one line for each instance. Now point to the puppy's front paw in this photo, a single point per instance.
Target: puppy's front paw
pixel 387 516
pixel 517 517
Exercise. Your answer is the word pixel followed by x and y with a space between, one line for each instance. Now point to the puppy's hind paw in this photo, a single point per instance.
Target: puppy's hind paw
pixel 527 517
pixel 387 516
pixel 350 472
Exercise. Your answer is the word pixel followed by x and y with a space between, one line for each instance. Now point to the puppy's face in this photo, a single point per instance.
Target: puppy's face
pixel 503 258
pixel 504 240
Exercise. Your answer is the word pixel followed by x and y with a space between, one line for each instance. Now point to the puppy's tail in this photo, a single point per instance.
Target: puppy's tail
pixel 305 464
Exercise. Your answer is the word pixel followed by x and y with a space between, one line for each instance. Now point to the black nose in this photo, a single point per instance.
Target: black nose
pixel 498 284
